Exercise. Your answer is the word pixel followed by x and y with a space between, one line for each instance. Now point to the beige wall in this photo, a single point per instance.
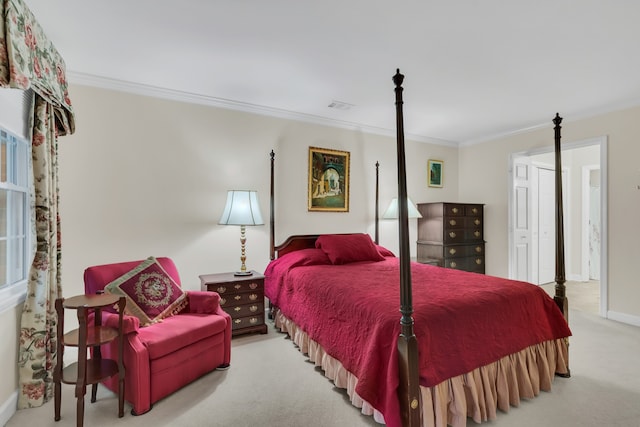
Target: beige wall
pixel 143 176
pixel 483 177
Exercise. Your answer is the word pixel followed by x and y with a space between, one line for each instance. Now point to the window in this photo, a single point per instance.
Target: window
pixel 15 180
pixel 14 218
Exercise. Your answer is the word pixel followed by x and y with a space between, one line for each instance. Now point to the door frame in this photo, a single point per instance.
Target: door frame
pixel 602 142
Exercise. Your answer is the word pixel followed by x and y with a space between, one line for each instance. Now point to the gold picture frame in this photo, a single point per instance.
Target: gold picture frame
pixel 435 171
pixel 328 180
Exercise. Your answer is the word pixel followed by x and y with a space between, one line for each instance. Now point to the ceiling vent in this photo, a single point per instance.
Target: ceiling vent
pixel 339 105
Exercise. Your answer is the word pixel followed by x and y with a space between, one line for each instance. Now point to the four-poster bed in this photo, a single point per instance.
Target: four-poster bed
pixel 478 343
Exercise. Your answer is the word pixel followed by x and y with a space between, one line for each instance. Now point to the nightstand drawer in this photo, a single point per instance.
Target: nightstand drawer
pixel 235 287
pixel 246 322
pixel 229 300
pixel 245 310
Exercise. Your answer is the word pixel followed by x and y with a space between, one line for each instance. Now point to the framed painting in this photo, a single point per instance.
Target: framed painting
pixel 434 173
pixel 328 186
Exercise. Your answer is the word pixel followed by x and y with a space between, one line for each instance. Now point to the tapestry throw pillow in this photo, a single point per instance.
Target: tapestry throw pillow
pixel 347 248
pixel 151 293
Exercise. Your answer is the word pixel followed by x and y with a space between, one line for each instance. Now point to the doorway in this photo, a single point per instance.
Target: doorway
pixel 532 215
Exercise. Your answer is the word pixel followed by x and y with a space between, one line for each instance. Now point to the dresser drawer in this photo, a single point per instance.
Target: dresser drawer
pixel 473 210
pixel 473 222
pixel 473 234
pixel 452 209
pixel 455 235
pixel 457 251
pixel 474 264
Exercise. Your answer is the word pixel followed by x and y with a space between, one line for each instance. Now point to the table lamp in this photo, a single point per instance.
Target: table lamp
pixel 242 209
pixel 392 210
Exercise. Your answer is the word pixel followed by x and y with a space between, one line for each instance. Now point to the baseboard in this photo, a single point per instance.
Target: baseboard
pixel 623 318
pixel 8 408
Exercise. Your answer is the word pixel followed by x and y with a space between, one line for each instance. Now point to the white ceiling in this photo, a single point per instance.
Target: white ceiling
pixel 473 69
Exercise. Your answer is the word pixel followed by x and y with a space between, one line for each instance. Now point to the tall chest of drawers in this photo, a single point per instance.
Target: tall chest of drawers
pixel 240 296
pixel 451 234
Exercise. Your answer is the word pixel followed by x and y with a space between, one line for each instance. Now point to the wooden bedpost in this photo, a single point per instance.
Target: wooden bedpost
pixel 409 388
pixel 272 232
pixel 377 236
pixel 560 296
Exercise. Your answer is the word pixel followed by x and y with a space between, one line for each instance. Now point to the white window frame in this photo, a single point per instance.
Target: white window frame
pixel 15 110
pixel 15 179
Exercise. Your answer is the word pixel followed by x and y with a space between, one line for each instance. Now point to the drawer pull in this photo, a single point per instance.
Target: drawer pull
pixel 221 289
pixel 253 320
pixel 253 297
pixel 238 308
pixel 237 286
pixel 479 249
pixel 237 297
pixel 474 210
pixel 453 264
pixel 452 222
pixel 454 210
pixel 238 321
pixel 479 261
pixel 253 308
pixel 223 301
pixel 476 233
pixel 452 235
pixel 452 251
pixel 476 222
pixel 253 286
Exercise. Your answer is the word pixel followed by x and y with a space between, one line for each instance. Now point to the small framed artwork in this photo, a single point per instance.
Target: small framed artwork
pixel 434 173
pixel 328 186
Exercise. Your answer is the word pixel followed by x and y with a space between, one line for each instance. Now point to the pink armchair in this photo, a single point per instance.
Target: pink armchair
pixel 163 357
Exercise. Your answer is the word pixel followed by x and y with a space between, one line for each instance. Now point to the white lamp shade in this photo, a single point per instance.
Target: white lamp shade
pixel 242 208
pixel 392 210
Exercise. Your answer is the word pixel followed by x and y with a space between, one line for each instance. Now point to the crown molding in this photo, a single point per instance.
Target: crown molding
pixel 212 101
pixel 573 117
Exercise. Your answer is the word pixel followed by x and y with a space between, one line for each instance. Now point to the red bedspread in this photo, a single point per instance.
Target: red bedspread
pixel 462 320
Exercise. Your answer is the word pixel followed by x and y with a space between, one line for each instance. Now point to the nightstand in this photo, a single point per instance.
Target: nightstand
pixel 240 296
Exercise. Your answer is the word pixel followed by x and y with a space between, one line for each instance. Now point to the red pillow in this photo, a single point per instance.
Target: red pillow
pixel 385 252
pixel 150 292
pixel 347 248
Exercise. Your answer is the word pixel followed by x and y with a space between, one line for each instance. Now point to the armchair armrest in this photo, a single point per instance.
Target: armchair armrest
pixel 203 302
pixel 129 323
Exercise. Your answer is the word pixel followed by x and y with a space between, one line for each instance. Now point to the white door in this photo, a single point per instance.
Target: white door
pixel 546 226
pixel 521 219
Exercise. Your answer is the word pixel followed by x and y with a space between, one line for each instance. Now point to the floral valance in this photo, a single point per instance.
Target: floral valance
pixel 28 59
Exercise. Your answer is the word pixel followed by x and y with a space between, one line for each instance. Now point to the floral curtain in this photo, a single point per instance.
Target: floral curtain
pixel 28 60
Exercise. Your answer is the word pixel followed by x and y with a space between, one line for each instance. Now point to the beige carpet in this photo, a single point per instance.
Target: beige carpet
pixel 271 384
pixel 583 296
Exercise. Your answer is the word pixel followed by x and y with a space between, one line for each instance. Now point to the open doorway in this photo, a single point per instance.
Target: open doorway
pixel 532 216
